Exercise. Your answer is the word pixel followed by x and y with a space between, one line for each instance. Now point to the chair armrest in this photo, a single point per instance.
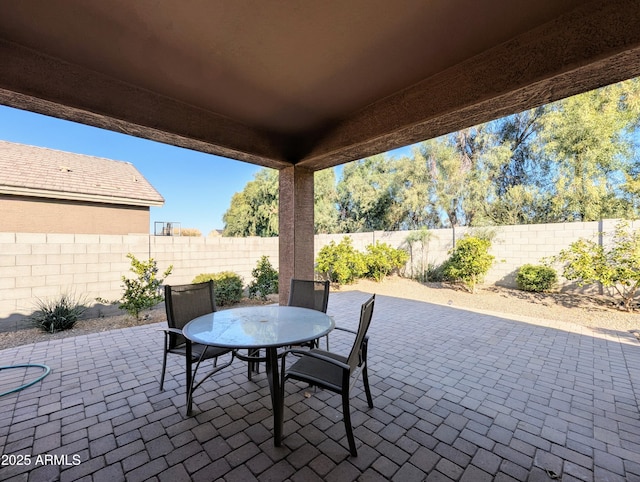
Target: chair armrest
pixel 345 329
pixel 175 331
pixel 316 355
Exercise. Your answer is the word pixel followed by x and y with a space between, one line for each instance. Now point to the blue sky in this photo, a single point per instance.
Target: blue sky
pixel 197 187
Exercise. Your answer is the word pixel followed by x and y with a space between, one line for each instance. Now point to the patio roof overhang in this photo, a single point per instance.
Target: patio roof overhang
pixel 306 85
pixel 310 83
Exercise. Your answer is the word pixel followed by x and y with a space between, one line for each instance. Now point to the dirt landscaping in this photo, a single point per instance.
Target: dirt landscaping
pixel 592 311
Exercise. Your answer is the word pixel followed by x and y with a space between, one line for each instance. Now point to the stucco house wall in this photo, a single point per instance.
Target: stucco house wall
pixel 41 215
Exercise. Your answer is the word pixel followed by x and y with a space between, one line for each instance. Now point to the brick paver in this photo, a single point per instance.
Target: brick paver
pixel 458 395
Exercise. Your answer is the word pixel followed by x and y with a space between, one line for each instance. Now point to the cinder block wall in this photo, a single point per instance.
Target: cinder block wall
pixel 42 266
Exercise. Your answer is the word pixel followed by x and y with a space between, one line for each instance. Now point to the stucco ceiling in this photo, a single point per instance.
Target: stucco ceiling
pixel 312 82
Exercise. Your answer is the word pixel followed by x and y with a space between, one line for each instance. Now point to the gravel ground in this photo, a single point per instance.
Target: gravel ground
pixel 592 311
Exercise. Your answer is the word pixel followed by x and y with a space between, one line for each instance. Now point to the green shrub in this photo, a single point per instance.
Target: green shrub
pixel 58 315
pixel 537 278
pixel 617 266
pixel 265 279
pixel 341 263
pixel 434 272
pixel 469 261
pixel 227 286
pixel 144 291
pixel 382 259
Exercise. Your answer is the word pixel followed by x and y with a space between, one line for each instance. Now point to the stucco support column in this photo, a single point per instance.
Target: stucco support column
pixel 296 229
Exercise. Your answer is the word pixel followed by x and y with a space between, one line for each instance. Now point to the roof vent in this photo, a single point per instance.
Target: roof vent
pixel 65 169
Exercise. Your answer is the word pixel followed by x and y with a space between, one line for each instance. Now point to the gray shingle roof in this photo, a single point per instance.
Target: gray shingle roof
pixel 37 171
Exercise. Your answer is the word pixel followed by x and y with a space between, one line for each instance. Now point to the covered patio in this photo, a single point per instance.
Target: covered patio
pixel 458 395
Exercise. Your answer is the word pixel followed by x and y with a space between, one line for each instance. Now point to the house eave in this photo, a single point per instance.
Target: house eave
pixel 76 196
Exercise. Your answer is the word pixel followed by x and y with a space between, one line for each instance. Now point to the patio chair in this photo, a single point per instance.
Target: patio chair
pixel 184 303
pixel 303 294
pixel 333 371
pixel 310 294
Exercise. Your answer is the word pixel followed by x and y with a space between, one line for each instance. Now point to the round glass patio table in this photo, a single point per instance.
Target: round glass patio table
pixel 256 327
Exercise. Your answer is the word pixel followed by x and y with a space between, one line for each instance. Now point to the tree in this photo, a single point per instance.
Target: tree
pixel 515 139
pixel 367 196
pixel 589 139
pixel 460 185
pixel 254 211
pixel 413 188
pixel 325 200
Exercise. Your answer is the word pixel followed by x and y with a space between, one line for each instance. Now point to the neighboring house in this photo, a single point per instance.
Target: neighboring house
pixel 48 191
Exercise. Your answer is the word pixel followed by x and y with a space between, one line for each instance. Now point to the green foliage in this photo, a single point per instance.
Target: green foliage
pixel 58 315
pixel 575 159
pixel 537 278
pixel 254 210
pixel 587 138
pixel 227 286
pixel 341 263
pixel 145 290
pixel 459 170
pixel 469 261
pixel 381 259
pixel 265 279
pixel 366 195
pixel 616 266
pixel 434 273
pixel 325 214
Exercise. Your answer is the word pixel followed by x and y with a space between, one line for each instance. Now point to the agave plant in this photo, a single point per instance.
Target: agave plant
pixel 59 314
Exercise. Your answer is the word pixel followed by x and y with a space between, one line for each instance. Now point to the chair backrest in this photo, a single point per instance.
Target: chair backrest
pixel 183 303
pixel 309 294
pixel 366 312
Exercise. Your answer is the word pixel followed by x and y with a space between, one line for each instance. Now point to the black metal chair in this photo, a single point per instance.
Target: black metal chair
pixel 310 294
pixel 303 294
pixel 333 371
pixel 184 303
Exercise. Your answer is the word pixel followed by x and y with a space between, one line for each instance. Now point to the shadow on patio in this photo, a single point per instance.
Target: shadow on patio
pixel 458 396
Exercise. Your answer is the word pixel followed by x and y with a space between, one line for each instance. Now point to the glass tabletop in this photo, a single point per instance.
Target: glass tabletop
pixel 259 327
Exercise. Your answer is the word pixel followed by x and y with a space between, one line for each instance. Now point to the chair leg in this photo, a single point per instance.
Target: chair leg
pixel 365 373
pixel 188 377
pixel 253 366
pixel 346 415
pixel 367 390
pixel 164 370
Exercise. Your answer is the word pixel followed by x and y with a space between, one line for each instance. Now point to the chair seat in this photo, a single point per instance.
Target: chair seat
pixel 197 349
pixel 319 372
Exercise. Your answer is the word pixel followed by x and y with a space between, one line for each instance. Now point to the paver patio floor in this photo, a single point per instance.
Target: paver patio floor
pixel 458 395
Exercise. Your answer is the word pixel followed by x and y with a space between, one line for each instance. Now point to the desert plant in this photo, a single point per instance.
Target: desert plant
pixel 227 286
pixel 469 261
pixel 341 263
pixel 265 279
pixel 537 278
pixel 145 290
pixel 616 267
pixel 382 259
pixel 420 237
pixel 59 314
